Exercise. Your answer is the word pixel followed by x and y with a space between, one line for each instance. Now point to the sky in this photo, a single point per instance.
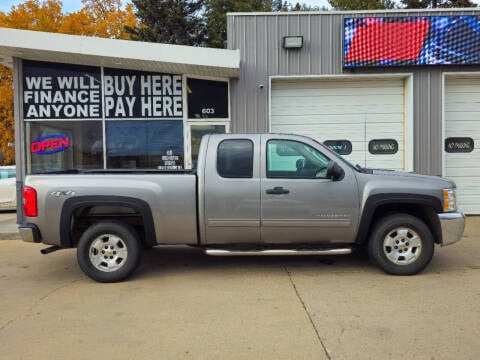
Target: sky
pixel 74 5
pixel 68 5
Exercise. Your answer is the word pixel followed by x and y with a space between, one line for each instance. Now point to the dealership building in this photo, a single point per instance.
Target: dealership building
pixel 386 89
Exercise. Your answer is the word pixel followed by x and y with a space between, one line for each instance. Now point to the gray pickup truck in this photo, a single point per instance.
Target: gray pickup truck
pixel 251 194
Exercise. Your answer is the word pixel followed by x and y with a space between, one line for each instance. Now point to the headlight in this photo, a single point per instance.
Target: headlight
pixel 449 200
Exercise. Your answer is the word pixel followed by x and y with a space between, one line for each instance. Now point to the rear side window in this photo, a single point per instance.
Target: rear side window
pixel 235 159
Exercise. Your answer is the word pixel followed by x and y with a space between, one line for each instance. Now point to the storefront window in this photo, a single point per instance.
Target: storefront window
pixel 207 99
pixel 89 117
pixel 64 145
pixel 197 132
pixel 156 144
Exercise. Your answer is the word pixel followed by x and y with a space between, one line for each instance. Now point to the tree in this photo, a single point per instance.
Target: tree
pixel 35 15
pixel 305 7
pixel 168 21
pixel 7 137
pixel 361 4
pixel 424 4
pixel 216 15
pixel 105 19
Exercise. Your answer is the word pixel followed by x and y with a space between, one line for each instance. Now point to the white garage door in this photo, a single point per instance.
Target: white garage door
pixel 462 140
pixel 364 112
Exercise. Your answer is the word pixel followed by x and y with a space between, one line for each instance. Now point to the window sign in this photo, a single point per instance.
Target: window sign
pixel 207 99
pixel 59 91
pixel 459 145
pixel 50 144
pixel 341 147
pixel 135 94
pixel 383 146
pixel 66 107
pixel 145 144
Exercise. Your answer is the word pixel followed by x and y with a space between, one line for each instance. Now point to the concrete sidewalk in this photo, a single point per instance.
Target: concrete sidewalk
pixel 8 225
pixel 181 304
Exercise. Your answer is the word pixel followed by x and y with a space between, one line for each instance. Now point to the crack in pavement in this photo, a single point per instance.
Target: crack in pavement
pixel 38 302
pixel 306 311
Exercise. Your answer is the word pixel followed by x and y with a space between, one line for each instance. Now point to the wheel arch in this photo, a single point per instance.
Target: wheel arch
pixel 376 207
pixel 70 206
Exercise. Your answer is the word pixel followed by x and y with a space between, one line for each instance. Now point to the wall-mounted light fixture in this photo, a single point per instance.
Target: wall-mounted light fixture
pixel 292 42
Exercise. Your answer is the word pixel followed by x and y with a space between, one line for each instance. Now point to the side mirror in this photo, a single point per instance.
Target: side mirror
pixel 334 171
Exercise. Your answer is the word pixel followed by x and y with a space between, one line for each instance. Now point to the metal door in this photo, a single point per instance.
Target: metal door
pixel 298 203
pixel 232 190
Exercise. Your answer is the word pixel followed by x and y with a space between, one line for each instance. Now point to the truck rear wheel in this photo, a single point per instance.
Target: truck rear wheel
pixel 401 244
pixel 108 251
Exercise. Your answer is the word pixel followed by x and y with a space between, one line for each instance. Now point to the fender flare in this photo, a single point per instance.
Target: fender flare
pixel 375 201
pixel 72 204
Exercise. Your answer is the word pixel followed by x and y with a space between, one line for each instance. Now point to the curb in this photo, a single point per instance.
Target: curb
pixel 10 236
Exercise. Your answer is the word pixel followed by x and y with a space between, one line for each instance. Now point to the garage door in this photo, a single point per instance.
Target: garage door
pixel 462 139
pixel 364 119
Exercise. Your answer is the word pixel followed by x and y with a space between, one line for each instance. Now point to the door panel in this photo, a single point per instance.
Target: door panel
pixel 310 208
pixel 232 201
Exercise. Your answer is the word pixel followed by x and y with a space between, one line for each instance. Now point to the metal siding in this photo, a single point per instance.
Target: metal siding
pixel 259 37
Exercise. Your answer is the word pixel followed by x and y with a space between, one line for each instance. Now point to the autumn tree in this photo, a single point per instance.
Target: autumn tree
pixel 7 137
pixel 34 15
pixel 106 19
pixel 361 4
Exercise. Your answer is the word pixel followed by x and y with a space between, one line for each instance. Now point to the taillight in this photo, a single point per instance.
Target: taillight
pixel 30 202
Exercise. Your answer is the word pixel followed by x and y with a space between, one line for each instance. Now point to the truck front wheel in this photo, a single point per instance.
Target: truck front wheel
pixel 108 251
pixel 401 244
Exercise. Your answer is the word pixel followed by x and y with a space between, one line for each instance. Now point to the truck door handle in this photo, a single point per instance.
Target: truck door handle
pixel 277 190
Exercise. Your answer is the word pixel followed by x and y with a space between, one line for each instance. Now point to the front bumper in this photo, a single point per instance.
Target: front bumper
pixel 29 233
pixel 452 225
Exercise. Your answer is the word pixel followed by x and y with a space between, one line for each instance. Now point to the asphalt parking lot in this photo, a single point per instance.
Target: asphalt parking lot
pixel 181 304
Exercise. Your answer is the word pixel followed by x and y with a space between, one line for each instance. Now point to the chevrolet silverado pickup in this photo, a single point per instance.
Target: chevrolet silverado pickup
pixel 251 194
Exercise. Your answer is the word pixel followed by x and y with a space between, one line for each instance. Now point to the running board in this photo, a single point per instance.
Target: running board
pixel 276 252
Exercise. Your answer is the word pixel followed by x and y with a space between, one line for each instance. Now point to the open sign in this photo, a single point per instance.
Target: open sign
pixel 50 144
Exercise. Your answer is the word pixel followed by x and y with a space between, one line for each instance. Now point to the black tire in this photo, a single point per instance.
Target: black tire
pixel 401 244
pixel 108 251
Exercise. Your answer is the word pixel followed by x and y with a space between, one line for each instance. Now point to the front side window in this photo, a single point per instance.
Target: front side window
pixel 293 159
pixel 235 159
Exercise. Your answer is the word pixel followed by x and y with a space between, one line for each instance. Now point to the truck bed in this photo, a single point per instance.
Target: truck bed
pixel 171 196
